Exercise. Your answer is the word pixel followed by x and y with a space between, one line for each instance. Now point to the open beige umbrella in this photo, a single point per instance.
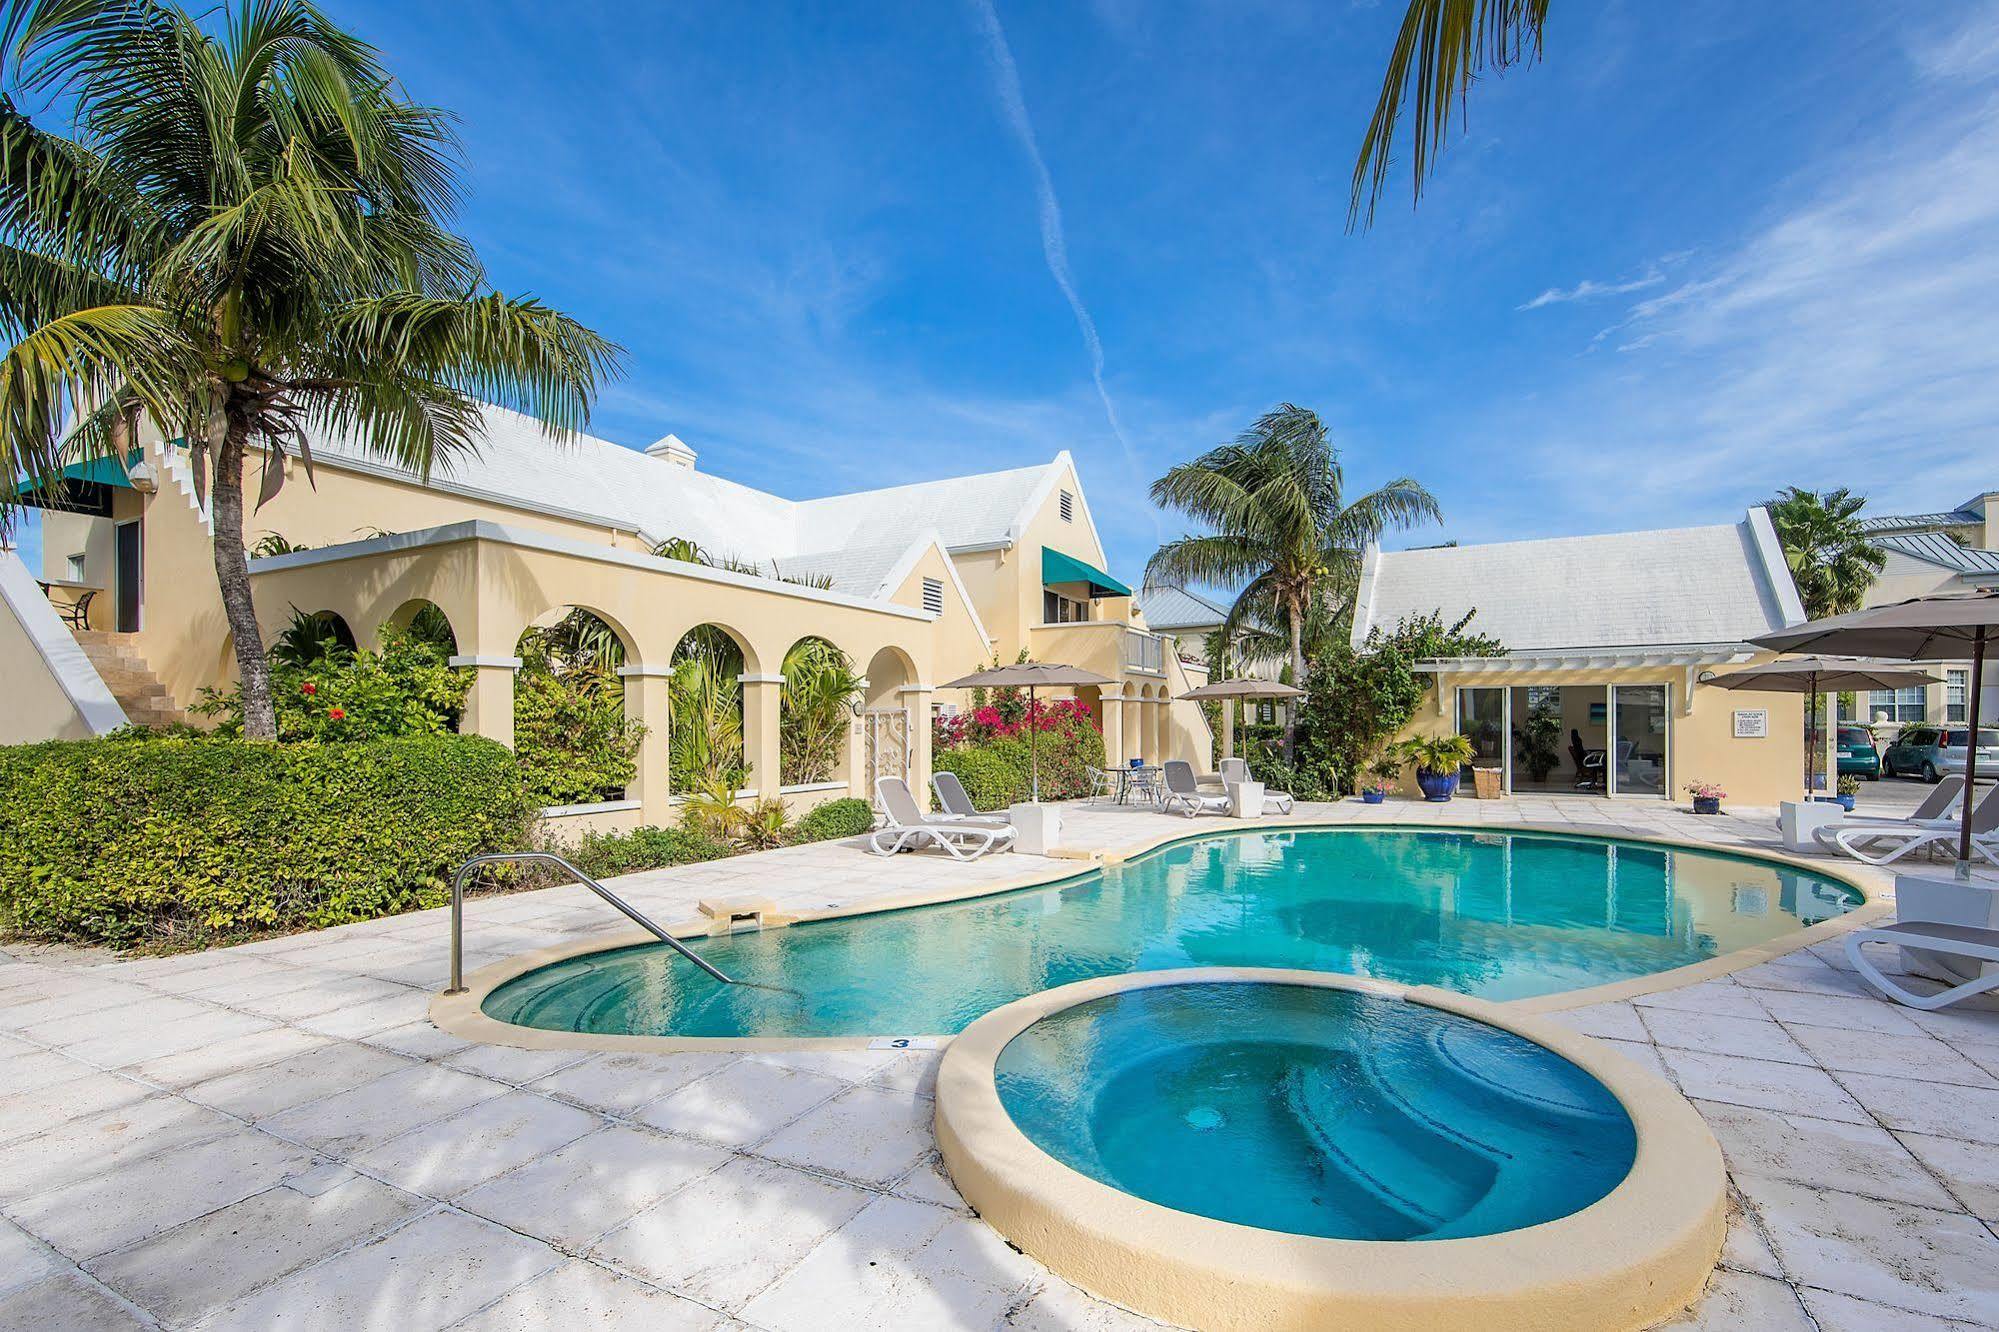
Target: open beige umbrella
pixel 1243 688
pixel 1930 628
pixel 1029 675
pixel 1813 676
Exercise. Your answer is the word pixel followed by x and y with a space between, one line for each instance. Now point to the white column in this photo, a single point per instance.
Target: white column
pixel 917 698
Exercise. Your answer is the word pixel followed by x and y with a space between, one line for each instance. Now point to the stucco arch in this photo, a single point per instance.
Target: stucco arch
pixel 888 670
pixel 753 659
pixel 405 614
pixel 555 614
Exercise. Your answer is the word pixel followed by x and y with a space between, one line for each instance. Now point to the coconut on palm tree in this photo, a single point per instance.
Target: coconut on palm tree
pixel 1826 547
pixel 239 229
pixel 1279 526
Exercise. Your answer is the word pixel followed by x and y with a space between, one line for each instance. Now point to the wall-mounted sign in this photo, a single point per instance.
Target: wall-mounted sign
pixel 1752 723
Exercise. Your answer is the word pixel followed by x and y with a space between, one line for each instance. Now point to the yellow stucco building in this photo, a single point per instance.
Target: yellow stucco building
pixel 917 584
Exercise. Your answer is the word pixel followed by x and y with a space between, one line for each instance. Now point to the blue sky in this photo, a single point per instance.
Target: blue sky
pixel 1704 250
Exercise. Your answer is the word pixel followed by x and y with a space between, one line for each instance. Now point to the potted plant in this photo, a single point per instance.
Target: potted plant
pixel 1849 792
pixel 1438 759
pixel 1381 774
pixel 1707 797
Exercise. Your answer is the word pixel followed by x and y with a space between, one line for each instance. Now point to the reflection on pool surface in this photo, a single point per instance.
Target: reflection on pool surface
pixel 1498 915
pixel 1315 1111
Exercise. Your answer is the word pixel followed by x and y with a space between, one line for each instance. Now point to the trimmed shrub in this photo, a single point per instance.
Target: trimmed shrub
pixel 571 735
pixel 603 854
pixel 997 773
pixel 185 842
pixel 847 817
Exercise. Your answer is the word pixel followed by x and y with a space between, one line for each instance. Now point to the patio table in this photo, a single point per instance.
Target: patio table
pixel 1142 782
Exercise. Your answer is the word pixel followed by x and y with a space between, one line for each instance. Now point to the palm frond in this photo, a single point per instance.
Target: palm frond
pixel 1443 46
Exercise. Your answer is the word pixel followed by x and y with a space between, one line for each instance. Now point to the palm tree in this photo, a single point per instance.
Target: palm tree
pixel 1442 47
pixel 1281 527
pixel 242 235
pixel 1825 545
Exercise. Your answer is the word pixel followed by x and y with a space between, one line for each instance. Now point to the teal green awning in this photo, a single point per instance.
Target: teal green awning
pixel 1059 568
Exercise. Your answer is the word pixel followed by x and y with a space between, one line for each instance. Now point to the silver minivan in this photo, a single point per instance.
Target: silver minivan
pixel 1932 752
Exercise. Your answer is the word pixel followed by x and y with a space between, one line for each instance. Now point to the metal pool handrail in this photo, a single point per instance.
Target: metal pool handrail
pixel 547 858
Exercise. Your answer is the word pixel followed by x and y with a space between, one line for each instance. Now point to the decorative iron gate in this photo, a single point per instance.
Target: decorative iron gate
pixel 888 745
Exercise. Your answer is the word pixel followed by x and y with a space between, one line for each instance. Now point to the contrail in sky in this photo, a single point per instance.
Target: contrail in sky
pixel 1007 78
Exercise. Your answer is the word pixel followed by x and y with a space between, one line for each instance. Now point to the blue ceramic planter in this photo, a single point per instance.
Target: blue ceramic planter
pixel 1437 786
pixel 1373 797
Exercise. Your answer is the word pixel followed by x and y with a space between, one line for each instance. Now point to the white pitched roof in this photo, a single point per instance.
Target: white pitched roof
pixel 518 463
pixel 1684 585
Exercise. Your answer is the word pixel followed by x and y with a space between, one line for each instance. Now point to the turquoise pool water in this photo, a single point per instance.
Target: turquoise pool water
pixel 1315 1111
pixel 1499 915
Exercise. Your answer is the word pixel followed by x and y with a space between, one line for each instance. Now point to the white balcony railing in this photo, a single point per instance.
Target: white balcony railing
pixel 1144 653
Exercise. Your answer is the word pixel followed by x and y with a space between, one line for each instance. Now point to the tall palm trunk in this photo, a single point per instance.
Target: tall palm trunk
pixel 1295 613
pixel 232 575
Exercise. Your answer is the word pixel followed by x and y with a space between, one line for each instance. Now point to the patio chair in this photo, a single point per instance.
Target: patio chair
pixel 1936 808
pixel 77 614
pixel 1926 836
pixel 1184 794
pixel 1235 771
pixel 1972 942
pixel 957 805
pixel 909 827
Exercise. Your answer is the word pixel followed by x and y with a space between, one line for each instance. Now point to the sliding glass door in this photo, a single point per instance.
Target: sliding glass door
pixel 1482 719
pixel 1638 726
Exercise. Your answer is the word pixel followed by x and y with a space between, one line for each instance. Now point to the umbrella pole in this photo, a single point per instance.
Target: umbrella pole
pixel 1033 760
pixel 1970 756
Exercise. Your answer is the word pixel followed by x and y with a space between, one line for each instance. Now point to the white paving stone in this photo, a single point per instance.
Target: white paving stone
pixel 458 1152
pixel 429 1274
pixel 582 1295
pixel 741 1104
pixel 577 1193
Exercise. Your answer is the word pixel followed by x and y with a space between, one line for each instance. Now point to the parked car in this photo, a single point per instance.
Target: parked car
pixel 1857 755
pixel 1930 752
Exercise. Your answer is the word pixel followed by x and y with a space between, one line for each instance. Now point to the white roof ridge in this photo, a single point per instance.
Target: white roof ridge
pixel 1466 546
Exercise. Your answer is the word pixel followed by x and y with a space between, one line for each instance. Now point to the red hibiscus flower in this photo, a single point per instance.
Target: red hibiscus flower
pixel 337 714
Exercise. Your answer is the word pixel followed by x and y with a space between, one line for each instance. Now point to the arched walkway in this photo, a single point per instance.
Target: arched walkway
pixel 821 692
pixel 575 738
pixel 707 749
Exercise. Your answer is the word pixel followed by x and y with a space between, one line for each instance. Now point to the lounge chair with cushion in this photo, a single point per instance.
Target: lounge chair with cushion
pixel 909 828
pixel 1929 835
pixel 1183 792
pixel 1971 942
pixel 957 805
pixel 1235 771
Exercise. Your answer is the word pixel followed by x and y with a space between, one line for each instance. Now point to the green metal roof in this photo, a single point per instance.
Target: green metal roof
pixel 1059 568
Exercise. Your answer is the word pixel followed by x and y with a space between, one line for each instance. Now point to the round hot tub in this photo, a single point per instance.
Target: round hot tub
pixel 1246 1148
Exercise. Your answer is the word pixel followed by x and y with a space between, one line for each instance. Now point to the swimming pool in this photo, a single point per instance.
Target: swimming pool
pixel 1498 915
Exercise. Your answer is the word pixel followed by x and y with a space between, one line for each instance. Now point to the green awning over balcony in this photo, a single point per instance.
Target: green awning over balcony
pixel 1059 568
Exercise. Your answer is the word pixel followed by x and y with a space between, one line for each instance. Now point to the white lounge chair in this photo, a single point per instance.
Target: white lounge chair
pixel 1926 836
pixel 1936 808
pixel 1183 792
pixel 1970 942
pixel 1235 771
pixel 909 827
pixel 957 805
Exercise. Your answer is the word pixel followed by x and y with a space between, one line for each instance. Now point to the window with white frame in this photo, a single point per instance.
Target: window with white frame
pixel 1896 705
pixel 1954 687
pixel 1058 609
pixel 74 567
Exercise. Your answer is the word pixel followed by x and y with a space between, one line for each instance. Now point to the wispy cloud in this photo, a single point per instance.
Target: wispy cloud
pixel 1589 290
pixel 1054 244
pixel 1847 340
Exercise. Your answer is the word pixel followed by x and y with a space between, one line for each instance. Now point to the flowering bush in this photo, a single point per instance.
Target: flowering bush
pixel 1706 791
pixel 402 687
pixel 988 750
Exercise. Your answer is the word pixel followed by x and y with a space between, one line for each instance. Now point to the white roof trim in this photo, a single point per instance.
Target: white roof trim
pixel 66 660
pixel 1363 620
pixel 1775 567
pixel 481 529
pixel 445 484
pixel 1591 659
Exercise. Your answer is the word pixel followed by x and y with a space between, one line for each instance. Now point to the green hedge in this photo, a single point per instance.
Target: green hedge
pixel 846 817
pixel 996 773
pixel 603 854
pixel 185 842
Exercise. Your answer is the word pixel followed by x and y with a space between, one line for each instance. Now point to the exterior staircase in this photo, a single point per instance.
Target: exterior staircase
pixel 125 673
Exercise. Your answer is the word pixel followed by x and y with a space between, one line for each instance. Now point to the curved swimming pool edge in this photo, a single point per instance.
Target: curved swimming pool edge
pixel 463 1015
pixel 1633 1257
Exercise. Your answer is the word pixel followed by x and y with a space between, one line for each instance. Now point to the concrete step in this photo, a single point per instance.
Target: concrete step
pixel 131 681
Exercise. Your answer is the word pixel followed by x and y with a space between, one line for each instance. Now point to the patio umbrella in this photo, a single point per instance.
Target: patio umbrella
pixel 1812 676
pixel 1919 629
pixel 1029 675
pixel 1244 688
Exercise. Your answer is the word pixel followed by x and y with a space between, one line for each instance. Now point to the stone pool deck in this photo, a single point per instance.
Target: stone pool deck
pixel 275 1136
